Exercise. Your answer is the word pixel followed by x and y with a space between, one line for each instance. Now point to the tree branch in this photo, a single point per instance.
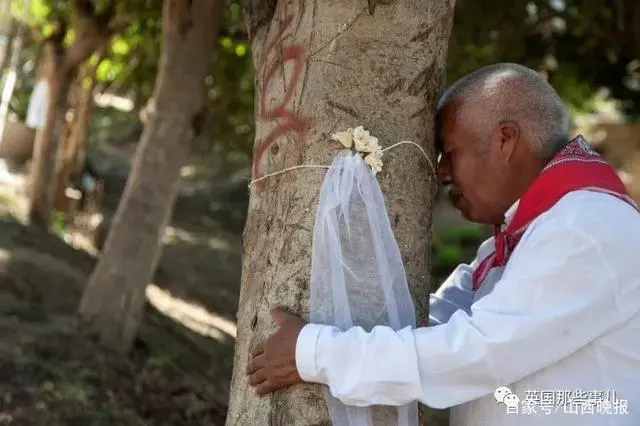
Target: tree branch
pixel 119 23
pixel 93 30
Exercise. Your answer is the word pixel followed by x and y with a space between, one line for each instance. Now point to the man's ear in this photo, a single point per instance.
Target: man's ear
pixel 509 137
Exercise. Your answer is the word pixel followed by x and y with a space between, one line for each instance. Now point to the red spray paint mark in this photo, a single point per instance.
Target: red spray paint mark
pixel 284 117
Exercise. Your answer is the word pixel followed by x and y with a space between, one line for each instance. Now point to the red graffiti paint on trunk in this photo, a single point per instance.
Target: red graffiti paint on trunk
pixel 276 57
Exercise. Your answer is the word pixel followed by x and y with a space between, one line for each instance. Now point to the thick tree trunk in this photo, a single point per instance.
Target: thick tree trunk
pixel 112 304
pixel 321 67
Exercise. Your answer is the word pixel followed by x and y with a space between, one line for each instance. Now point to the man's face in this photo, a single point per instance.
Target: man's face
pixel 472 168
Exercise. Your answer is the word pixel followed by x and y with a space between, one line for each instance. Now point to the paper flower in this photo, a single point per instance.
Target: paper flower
pixel 345 138
pixel 364 142
pixel 361 141
pixel 374 160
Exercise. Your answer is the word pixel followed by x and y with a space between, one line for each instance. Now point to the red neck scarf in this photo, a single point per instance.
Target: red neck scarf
pixel 575 167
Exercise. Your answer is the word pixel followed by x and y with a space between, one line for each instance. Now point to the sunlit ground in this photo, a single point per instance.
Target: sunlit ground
pixel 190 315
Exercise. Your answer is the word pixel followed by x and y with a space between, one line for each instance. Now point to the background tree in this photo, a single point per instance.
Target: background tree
pixel 7 31
pixel 320 68
pixel 12 48
pixel 71 145
pixel 91 28
pixel 581 45
pixel 113 301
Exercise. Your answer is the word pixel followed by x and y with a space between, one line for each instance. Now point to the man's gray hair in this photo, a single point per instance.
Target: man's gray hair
pixel 511 92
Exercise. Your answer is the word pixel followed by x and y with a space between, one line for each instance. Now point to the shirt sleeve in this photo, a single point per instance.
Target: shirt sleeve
pixel 457 290
pixel 454 294
pixel 548 304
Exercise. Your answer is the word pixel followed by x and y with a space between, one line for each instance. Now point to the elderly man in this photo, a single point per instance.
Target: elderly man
pixel 548 312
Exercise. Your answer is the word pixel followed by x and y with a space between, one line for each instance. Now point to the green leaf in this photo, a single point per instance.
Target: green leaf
pixel 120 46
pixel 226 42
pixel 241 49
pixel 39 9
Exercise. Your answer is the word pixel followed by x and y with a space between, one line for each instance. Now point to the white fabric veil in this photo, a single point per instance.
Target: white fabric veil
pixel 357 275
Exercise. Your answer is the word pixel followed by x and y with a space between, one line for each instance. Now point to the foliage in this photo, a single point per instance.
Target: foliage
pixel 231 90
pixel 582 45
pixel 129 66
pixel 455 245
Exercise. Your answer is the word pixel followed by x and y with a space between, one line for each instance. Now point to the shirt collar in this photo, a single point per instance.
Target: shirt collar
pixel 508 216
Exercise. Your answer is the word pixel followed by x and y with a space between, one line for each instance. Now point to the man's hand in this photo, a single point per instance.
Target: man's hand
pixel 273 363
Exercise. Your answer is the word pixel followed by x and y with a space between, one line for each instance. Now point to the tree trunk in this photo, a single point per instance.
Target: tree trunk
pixel 113 302
pixel 92 31
pixel 321 67
pixel 7 32
pixel 5 50
pixel 44 149
pixel 17 41
pixel 73 142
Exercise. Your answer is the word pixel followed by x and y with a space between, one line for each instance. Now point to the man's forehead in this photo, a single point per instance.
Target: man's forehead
pixel 447 125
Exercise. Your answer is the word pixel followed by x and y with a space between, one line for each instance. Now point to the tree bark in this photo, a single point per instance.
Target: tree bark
pixel 325 66
pixel 113 302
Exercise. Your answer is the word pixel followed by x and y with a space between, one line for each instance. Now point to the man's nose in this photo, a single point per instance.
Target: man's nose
pixel 444 176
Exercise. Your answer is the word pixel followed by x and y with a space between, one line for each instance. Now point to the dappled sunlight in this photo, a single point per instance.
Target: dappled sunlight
pixel 174 235
pixel 12 191
pixel 188 171
pixel 120 103
pixel 5 259
pixel 190 315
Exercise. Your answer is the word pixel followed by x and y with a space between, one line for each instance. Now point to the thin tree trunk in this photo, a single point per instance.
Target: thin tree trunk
pixel 5 50
pixel 12 76
pixel 7 32
pixel 325 66
pixel 113 302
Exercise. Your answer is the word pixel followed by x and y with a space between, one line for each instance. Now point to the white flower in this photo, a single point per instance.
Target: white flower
pixel 361 141
pixel 364 142
pixel 345 138
pixel 374 160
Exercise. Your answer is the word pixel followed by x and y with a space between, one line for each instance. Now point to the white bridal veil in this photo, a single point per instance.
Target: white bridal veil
pixel 357 275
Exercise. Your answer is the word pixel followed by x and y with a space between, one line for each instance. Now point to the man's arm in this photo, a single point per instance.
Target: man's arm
pixel 549 303
pixel 456 292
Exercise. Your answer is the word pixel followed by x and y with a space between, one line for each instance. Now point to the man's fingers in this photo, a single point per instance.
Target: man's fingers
pixel 255 364
pixel 279 316
pixel 266 388
pixel 258 350
pixel 256 378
